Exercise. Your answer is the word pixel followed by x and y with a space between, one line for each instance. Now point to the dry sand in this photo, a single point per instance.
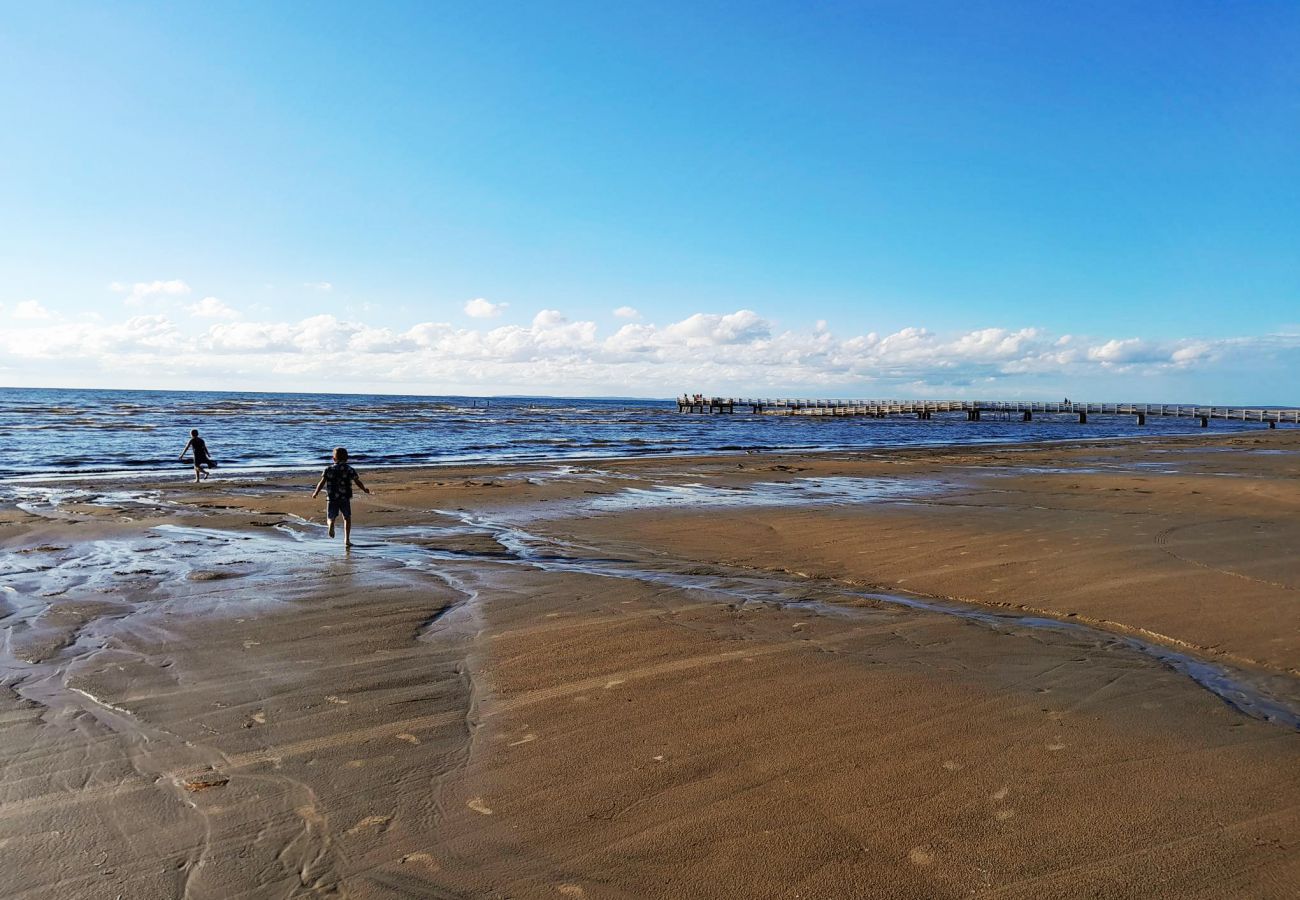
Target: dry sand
pixel 662 678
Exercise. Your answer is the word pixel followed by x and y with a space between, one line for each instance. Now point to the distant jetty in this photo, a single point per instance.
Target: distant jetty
pixel 976 410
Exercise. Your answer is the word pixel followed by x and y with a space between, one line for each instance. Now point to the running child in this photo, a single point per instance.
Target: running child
pixel 337 481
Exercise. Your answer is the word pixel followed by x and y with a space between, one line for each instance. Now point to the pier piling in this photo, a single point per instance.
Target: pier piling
pixel 1028 410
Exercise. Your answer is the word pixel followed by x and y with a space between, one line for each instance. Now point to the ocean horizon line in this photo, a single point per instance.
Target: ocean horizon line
pixel 630 398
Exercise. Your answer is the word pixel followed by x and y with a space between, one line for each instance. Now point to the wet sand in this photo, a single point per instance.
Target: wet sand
pixel 922 673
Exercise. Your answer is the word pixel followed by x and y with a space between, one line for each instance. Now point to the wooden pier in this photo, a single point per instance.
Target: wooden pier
pixel 976 410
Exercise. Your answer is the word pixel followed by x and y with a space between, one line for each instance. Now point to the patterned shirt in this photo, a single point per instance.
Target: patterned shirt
pixel 338 481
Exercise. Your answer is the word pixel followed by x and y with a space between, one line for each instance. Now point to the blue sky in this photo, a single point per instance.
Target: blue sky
pixel 1123 177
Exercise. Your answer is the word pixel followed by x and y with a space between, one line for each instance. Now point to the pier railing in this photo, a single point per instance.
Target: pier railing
pixel 976 410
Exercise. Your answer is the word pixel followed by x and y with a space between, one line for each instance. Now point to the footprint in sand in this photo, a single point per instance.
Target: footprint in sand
pixel 422 858
pixel 257 718
pixel 332 699
pixel 1001 793
pixel 204 781
pixel 952 765
pixel 1003 814
pixel 1055 747
pixel 570 890
pixel 371 822
pixel 526 739
pixel 479 806
pixel 614 682
pixel 920 856
pixel 409 738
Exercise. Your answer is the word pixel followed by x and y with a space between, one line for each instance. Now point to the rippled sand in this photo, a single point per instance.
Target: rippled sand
pixel 1059 671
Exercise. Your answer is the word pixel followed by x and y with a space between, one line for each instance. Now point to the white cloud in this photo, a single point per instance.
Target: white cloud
pixel 319 286
pixel 151 332
pixel 30 310
pixel 552 331
pixel 995 343
pixel 548 319
pixel 708 329
pixel 234 338
pixel 1192 353
pixel 479 308
pixel 738 351
pixel 1128 350
pixel 627 312
pixel 633 338
pixel 141 291
pixel 213 308
pixel 325 333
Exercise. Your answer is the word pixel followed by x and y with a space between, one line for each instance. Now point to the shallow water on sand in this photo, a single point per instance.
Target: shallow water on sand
pixel 831 490
pixel 198 569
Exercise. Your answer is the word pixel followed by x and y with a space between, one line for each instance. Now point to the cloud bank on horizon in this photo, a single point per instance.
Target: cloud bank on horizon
pixel 164 337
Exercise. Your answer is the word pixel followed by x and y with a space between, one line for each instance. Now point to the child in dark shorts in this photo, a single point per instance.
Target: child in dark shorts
pixel 337 481
pixel 202 461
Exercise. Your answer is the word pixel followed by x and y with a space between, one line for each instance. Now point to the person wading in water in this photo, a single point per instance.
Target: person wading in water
pixel 202 461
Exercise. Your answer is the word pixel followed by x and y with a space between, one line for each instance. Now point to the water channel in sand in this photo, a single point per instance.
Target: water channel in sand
pixel 196 569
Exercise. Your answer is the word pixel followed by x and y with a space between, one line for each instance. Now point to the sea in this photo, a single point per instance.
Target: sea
pixel 110 433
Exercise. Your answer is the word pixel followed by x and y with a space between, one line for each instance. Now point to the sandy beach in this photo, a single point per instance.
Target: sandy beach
pixel 1066 670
